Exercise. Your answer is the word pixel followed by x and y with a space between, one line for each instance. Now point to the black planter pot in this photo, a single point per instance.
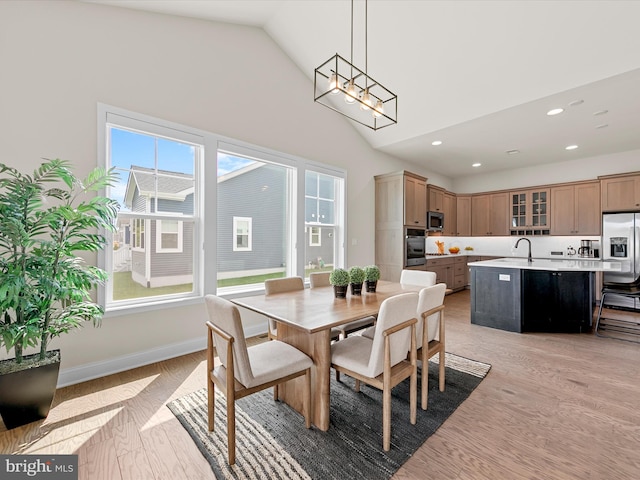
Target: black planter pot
pixel 356 289
pixel 371 285
pixel 340 291
pixel 26 395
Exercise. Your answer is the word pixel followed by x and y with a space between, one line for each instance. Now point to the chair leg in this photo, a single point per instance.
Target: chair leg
pixel 337 376
pixel 211 402
pixel 307 398
pixel 231 427
pixel 386 418
pixel 441 371
pixel 413 395
pixel 424 381
pixel 600 312
pixel 357 386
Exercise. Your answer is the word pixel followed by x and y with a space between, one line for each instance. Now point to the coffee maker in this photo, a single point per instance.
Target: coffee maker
pixel 586 249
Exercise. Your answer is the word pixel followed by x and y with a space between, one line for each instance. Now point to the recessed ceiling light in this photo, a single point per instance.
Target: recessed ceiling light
pixel 571 147
pixel 604 125
pixel 576 102
pixel 476 165
pixel 436 143
pixel 601 112
pixel 555 111
pixel 513 152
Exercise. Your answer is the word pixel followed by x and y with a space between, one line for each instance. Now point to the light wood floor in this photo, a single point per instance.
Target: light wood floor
pixel 554 406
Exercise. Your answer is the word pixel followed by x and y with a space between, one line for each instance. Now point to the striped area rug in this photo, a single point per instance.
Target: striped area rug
pixel 272 442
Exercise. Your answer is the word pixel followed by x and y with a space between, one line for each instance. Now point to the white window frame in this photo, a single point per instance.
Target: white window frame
pixel 179 233
pixel 315 231
pixel 135 246
pixel 236 222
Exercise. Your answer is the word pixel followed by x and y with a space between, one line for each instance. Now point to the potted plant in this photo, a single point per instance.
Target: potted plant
pixel 45 289
pixel 371 277
pixel 339 278
pixel 356 275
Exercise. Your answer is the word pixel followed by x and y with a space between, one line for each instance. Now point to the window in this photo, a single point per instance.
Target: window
pixel 155 256
pixel 315 239
pixel 241 234
pixel 169 236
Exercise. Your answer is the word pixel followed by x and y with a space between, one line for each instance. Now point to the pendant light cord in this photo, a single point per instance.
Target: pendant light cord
pixel 351 38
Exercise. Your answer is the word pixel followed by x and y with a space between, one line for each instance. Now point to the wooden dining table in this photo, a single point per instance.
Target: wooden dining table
pixel 305 318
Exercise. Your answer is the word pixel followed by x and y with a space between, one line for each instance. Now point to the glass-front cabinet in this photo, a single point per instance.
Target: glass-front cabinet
pixel 530 212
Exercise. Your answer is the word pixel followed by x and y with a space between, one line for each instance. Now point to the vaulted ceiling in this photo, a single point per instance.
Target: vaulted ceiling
pixel 479 76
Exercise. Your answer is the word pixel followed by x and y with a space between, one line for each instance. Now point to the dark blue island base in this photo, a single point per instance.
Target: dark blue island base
pixel 522 300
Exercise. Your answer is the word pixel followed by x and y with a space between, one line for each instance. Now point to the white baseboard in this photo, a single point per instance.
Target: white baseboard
pixel 82 373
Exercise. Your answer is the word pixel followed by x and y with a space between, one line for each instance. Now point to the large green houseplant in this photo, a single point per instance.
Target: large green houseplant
pixel 46 219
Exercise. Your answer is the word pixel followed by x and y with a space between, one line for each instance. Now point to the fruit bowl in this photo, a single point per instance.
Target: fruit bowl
pixel 454 250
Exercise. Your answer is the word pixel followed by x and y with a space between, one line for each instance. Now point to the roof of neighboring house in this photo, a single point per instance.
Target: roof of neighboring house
pixel 171 185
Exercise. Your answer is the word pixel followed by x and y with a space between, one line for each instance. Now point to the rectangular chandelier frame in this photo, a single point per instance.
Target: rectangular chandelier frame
pixel 330 83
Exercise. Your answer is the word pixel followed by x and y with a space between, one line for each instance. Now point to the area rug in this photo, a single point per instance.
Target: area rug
pixel 272 443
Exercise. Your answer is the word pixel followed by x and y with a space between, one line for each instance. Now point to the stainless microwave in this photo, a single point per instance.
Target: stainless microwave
pixel 435 221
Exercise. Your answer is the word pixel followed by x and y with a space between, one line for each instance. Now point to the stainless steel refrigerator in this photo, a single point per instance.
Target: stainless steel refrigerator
pixel 621 243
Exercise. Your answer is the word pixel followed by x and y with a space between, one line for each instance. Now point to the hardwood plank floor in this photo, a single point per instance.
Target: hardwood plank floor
pixel 554 406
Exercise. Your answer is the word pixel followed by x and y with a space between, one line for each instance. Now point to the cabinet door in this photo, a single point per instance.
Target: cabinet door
pixel 499 214
pixel 463 216
pixel 449 208
pixel 563 199
pixel 436 199
pixel 587 211
pixel 621 193
pixel 480 215
pixel 415 199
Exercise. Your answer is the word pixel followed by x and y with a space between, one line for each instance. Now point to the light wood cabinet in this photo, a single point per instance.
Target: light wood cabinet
pixel 463 216
pixel 530 213
pixel 576 209
pixel 489 214
pixel 401 200
pixel 620 193
pixel 444 269
pixel 436 199
pixel 415 201
pixel 450 214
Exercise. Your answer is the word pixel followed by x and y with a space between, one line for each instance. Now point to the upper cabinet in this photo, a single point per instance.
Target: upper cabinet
pixel 490 214
pixel 620 193
pixel 463 215
pixel 436 199
pixel 576 209
pixel 415 201
pixel 530 213
pixel 450 214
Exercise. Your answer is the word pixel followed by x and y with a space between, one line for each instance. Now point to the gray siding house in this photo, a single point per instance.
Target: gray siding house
pixel 161 250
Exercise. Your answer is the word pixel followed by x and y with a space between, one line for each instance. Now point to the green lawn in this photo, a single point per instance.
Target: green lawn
pixel 125 288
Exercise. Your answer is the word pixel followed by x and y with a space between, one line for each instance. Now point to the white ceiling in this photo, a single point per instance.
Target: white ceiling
pixel 477 75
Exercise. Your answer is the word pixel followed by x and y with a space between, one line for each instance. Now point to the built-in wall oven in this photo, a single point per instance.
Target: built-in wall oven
pixel 414 247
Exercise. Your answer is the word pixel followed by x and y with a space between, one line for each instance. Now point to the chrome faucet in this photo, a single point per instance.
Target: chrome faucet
pixel 529 259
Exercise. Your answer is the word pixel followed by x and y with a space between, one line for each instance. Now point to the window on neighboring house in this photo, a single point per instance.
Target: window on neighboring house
pixel 169 236
pixel 158 189
pixel 315 239
pixel 241 234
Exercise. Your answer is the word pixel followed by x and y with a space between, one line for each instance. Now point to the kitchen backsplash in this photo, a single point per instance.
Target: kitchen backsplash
pixel 541 247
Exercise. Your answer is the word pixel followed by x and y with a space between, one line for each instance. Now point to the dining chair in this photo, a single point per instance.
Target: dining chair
pixel 321 279
pixel 430 334
pixel 245 370
pixel 382 361
pixel 410 277
pixel 280 285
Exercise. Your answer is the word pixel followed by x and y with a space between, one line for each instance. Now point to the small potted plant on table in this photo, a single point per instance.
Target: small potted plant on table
pixel 356 276
pixel 371 277
pixel 339 278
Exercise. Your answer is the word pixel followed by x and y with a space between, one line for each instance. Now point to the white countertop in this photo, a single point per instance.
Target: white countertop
pixel 575 265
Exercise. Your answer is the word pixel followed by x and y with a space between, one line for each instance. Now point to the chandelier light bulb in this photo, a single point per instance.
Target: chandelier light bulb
pixel 334 85
pixel 351 93
pixel 378 110
pixel 367 103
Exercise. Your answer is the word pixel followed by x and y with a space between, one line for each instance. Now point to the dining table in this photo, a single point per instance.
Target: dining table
pixel 304 320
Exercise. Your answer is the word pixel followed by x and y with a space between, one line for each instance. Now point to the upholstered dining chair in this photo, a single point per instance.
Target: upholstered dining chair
pixel 321 279
pixel 382 361
pixel 430 334
pixel 280 285
pixel 243 371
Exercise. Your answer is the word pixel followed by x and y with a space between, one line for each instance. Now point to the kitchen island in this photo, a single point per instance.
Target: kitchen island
pixel 539 296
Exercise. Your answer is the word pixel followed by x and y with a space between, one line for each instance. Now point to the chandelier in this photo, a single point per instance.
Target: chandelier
pixel 350 91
